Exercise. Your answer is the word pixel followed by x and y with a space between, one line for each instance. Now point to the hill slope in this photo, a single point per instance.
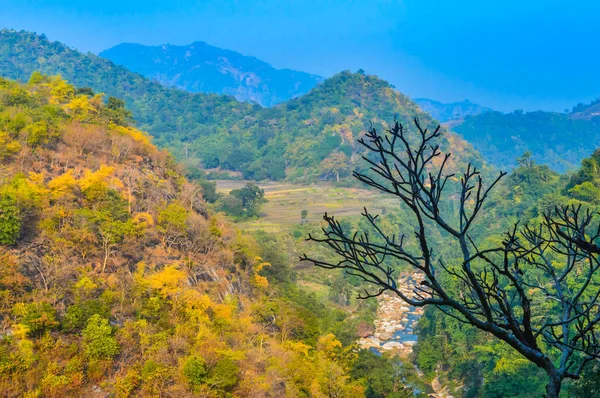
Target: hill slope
pixel 558 140
pixel 156 109
pixel 586 111
pixel 199 67
pixel 451 111
pixel 116 280
pixel 314 136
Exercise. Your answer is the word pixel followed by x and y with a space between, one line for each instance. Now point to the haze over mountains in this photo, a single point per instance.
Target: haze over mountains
pixel 120 276
pixel 295 137
pixel 200 67
pixel 292 139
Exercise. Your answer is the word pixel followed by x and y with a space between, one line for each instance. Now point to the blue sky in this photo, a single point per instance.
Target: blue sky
pixel 527 54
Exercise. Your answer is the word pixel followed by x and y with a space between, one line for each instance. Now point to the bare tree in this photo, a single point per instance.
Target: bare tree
pixel 109 241
pixel 537 291
pixel 131 178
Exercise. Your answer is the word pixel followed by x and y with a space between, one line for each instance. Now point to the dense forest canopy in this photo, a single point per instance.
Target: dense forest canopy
pixel 559 140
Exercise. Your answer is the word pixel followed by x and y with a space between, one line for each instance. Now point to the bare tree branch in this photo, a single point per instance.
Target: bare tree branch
pixel 540 284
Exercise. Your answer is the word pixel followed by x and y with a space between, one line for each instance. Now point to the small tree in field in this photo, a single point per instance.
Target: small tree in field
pixel 537 291
pixel 303 215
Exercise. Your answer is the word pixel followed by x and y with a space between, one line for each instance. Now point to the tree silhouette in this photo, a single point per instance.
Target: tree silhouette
pixel 537 291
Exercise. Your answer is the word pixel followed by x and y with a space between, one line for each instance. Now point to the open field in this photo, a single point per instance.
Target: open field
pixel 281 215
pixel 286 201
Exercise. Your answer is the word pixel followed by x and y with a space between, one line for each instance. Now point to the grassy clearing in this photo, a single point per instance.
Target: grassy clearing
pixel 320 290
pixel 281 215
pixel 286 202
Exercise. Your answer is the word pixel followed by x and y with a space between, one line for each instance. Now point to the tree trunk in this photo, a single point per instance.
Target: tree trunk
pixel 106 254
pixel 337 176
pixel 129 199
pixel 553 386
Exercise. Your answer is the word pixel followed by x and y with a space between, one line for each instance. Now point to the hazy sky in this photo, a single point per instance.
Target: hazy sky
pixel 529 54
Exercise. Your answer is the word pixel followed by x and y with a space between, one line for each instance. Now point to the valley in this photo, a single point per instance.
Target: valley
pixel 130 267
pixel 390 326
pixel 395 321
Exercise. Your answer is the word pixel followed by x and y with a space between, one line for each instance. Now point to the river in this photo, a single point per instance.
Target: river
pixel 395 321
pixel 394 329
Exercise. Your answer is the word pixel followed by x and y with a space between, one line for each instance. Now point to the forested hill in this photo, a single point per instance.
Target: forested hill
pixel 310 137
pixel 200 67
pixel 156 109
pixel 559 140
pixel 116 280
pixel 315 136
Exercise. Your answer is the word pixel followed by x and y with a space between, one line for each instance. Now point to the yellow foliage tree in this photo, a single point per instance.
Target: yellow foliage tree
pixel 168 281
pixel 258 280
pixel 62 185
pixel 8 146
pixel 61 91
pixel 80 108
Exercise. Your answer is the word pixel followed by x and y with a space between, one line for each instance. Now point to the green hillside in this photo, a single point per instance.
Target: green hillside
pixel 314 136
pixel 156 109
pixel 559 140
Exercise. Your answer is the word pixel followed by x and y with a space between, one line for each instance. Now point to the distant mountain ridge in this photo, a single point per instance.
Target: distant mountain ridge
pixel 200 67
pixel 559 140
pixel 306 138
pixel 157 109
pixel 450 111
pixel 586 111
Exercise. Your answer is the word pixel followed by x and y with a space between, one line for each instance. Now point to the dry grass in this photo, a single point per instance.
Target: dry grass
pixel 286 202
pixel 282 213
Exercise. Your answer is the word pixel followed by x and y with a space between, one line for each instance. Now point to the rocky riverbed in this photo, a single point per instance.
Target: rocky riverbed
pixel 394 328
pixel 396 320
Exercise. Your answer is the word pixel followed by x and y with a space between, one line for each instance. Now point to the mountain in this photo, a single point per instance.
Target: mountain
pixel 306 138
pixel 156 109
pixel 316 135
pixel 451 111
pixel 199 67
pixel 117 279
pixel 558 140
